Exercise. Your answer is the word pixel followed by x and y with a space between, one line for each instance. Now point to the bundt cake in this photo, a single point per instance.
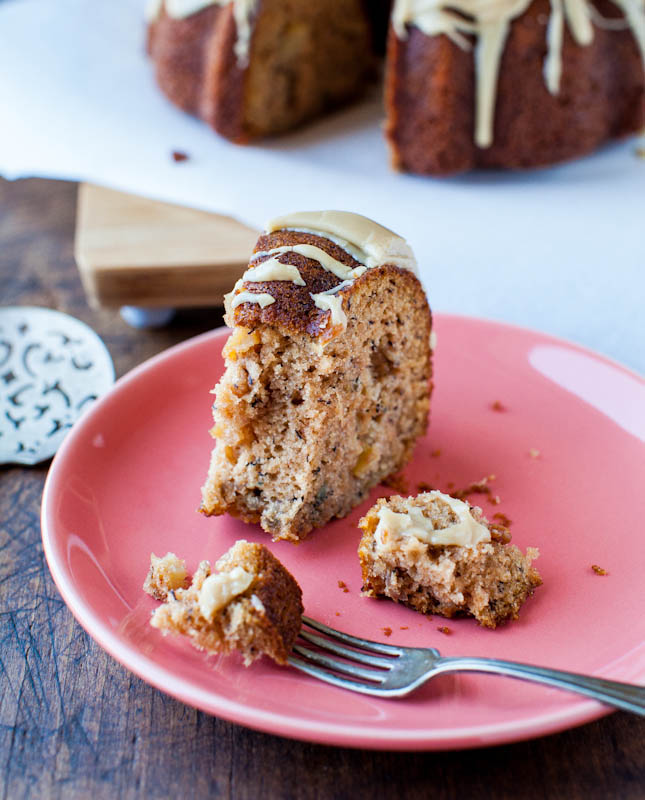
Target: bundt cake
pixel 327 379
pixel 511 83
pixel 469 83
pixel 253 68
pixel 250 603
pixel 439 555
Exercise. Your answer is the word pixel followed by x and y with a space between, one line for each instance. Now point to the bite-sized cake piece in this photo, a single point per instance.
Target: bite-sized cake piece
pixel 511 84
pixel 252 68
pixel 439 555
pixel 251 603
pixel 327 380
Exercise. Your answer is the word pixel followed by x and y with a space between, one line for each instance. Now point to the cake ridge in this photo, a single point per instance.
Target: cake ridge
pixel 181 9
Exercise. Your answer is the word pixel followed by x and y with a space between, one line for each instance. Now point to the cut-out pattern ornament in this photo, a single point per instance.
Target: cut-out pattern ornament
pixel 52 368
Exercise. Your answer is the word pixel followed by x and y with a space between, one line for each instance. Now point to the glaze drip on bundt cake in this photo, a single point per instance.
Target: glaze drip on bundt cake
pixel 511 83
pixel 243 11
pixel 326 388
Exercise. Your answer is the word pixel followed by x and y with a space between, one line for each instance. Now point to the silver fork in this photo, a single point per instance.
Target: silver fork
pixel 392 671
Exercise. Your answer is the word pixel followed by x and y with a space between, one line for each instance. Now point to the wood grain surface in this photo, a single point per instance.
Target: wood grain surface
pixel 135 251
pixel 75 724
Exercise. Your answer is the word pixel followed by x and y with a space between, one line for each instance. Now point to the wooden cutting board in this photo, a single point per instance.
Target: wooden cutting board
pixel 139 252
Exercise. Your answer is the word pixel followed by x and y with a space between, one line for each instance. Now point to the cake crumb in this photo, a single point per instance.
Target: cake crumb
pixel 494 499
pixel 477 487
pixel 534 453
pixel 424 487
pixel 404 628
pixel 502 519
pixel 500 533
pixel 445 630
pixel 598 570
pixel 436 453
pixel 396 481
pixel 342 585
pixel 166 574
pixel 497 406
pixel 178 156
pixel 640 152
pixel 387 631
pixel 338 613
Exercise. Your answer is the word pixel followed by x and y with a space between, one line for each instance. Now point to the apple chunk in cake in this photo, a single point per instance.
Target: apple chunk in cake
pixel 439 555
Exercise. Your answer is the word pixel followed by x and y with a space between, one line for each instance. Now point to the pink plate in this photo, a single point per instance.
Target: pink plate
pixel 567 452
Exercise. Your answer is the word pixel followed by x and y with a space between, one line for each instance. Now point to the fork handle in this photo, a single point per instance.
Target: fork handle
pixel 613 693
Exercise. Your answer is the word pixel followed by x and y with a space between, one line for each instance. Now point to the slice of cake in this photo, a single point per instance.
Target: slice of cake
pixel 251 603
pixel 439 555
pixel 327 380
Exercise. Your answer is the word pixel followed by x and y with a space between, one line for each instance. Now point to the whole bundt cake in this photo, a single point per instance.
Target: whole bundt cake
pixel 327 379
pixel 469 83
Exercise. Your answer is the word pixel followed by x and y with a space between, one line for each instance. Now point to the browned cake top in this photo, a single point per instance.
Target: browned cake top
pixel 293 308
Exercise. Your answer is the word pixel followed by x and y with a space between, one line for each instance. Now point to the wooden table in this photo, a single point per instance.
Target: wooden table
pixel 75 724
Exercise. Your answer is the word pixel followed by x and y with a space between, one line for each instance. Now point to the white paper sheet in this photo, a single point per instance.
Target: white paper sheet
pixel 561 249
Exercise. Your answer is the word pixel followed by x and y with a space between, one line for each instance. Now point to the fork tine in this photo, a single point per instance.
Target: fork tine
pixel 355 655
pixel 340 666
pixel 330 677
pixel 366 644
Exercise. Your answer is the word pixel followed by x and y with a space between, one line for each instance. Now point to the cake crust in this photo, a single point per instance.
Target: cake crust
pixel 294 311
